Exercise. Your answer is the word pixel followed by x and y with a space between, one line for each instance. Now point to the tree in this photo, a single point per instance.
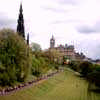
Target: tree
pixel 35 47
pixel 39 66
pixel 54 55
pixel 94 76
pixel 13 57
pixel 85 68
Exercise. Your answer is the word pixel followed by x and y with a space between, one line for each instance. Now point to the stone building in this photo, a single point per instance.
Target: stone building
pixel 52 42
pixel 68 51
pixel 80 56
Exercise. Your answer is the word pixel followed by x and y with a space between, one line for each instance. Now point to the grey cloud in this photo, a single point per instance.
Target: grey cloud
pixel 95 51
pixel 86 29
pixel 72 2
pixel 90 47
pixel 65 21
pixel 89 29
pixel 55 9
pixel 5 21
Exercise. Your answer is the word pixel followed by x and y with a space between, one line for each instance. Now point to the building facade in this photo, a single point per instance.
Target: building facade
pixel 52 42
pixel 67 51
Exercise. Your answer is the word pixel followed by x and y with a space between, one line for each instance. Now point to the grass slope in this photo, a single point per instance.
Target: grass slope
pixel 63 86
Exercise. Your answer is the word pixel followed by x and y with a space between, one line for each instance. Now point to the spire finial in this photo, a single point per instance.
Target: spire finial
pixel 21 9
pixel 20 26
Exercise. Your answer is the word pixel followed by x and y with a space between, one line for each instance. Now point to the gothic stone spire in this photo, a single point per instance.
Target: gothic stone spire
pixel 20 26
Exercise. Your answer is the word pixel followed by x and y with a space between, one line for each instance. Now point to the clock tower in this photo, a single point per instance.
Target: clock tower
pixel 52 42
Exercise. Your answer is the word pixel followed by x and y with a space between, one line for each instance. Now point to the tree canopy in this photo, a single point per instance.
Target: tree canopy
pixel 35 47
pixel 13 57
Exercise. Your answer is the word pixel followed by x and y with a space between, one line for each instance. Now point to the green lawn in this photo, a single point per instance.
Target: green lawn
pixel 63 86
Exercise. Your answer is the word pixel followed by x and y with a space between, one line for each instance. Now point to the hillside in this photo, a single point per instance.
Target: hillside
pixel 63 86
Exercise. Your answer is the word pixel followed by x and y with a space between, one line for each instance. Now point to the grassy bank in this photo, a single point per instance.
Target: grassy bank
pixel 63 86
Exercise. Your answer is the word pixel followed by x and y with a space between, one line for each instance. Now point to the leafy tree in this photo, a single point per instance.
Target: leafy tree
pixel 35 47
pixel 85 68
pixel 54 55
pixel 94 76
pixel 35 66
pixel 13 57
pixel 39 66
pixel 74 65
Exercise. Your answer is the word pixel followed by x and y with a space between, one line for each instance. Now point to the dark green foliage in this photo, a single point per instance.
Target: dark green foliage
pixel 94 76
pixel 73 65
pixel 13 58
pixel 35 66
pixel 96 67
pixel 39 65
pixel 8 77
pixel 85 68
pixel 56 67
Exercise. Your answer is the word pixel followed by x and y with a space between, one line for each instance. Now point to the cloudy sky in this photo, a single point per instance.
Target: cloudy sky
pixel 75 22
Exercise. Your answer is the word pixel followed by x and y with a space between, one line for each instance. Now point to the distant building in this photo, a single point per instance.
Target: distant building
pixel 67 51
pixel 80 56
pixel 52 42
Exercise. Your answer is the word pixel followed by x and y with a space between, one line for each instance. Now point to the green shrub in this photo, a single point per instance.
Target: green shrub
pixel 94 77
pixel 73 65
pixel 96 67
pixel 39 66
pixel 85 68
pixel 13 58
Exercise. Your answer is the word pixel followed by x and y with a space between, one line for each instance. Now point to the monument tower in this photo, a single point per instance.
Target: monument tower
pixel 20 26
